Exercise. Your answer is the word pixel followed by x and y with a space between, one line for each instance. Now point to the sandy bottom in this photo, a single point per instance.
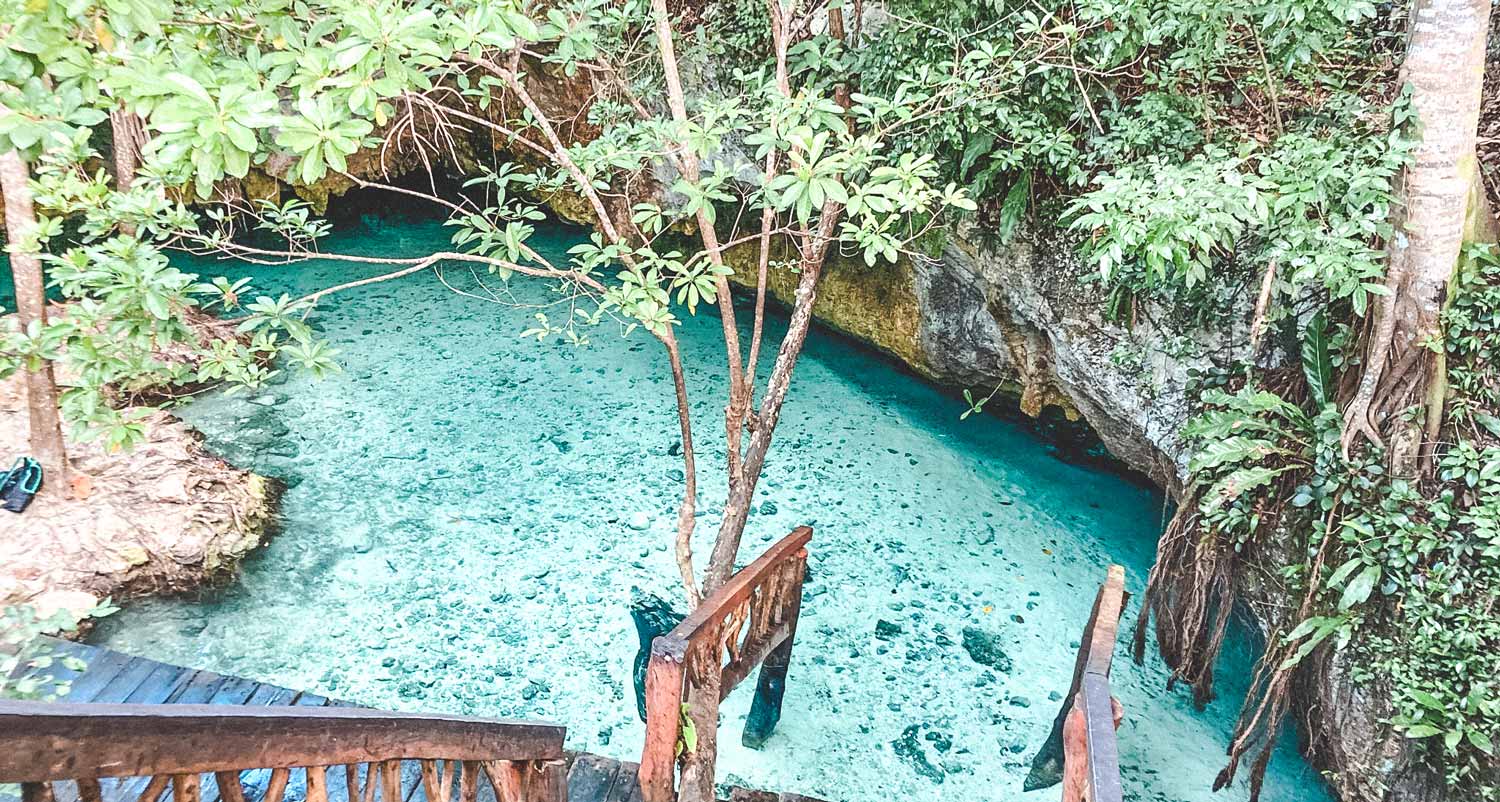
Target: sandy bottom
pixel 470 512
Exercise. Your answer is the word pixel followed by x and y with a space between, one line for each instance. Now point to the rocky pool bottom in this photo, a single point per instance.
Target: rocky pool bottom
pixel 469 516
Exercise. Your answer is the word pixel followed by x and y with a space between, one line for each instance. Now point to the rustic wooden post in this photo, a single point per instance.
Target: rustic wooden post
pixel 186 788
pixel 89 791
pixel 390 781
pixel 1091 760
pixel 317 784
pixel 546 781
pixel 703 707
pixel 468 781
pixel 664 681
pixel 229 787
pixel 765 709
pixel 505 778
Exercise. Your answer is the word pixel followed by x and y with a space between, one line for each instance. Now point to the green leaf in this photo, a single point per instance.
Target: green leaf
pixel 1421 731
pixel 1317 365
pixel 978 145
pixel 1014 207
pixel 1235 450
pixel 1426 700
pixel 1359 589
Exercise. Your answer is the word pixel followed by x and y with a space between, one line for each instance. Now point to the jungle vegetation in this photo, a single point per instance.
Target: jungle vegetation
pixel 1308 163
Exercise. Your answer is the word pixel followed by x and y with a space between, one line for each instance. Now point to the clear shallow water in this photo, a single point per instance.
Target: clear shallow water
pixel 462 533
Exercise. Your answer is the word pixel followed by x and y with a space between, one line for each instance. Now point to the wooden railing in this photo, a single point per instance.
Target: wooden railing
pixel 751 619
pixel 1091 757
pixel 156 747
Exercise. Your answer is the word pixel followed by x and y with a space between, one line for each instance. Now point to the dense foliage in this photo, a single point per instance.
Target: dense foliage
pixel 1402 570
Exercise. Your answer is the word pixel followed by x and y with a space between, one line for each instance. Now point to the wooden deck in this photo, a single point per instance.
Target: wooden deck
pixel 113 677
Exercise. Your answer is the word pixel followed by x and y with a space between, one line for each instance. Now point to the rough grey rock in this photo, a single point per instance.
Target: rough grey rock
pixel 1023 314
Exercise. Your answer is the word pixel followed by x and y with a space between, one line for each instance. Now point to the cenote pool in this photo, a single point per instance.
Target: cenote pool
pixel 469 513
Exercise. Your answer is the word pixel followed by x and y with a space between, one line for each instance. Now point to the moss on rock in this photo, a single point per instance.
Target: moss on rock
pixel 877 305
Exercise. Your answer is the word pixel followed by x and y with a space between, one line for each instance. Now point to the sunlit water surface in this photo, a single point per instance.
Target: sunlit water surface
pixel 469 513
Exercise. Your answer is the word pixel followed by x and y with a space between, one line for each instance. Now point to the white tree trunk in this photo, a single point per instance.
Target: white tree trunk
pixel 1445 69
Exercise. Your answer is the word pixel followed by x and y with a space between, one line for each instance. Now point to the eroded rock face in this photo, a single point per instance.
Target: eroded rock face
pixel 1022 316
pixel 1024 313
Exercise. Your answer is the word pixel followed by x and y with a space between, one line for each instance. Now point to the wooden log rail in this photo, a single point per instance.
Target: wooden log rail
pixel 751 619
pixel 1091 756
pixel 154 748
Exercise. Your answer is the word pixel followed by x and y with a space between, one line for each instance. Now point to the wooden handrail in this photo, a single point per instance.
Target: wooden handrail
pixel 54 741
pixel 751 620
pixel 42 742
pixel 1091 757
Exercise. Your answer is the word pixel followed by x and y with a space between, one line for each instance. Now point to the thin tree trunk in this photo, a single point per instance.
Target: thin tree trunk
pixel 1445 69
pixel 737 507
pixel 129 136
pixel 46 438
pixel 739 387
pixel 814 252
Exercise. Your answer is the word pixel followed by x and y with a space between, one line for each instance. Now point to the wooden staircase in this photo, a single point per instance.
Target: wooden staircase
pixel 132 729
pixel 137 730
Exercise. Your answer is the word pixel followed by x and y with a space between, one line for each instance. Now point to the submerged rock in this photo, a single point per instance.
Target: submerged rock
pixel 984 649
pixel 909 748
pixel 886 630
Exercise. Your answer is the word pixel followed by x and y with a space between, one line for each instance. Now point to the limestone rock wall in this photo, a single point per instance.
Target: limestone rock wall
pixel 1021 316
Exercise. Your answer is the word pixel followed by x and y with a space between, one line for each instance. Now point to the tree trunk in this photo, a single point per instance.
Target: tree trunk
pixel 129 136
pixel 46 437
pixel 1445 69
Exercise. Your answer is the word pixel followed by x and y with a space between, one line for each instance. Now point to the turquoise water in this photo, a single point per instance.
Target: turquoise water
pixel 470 512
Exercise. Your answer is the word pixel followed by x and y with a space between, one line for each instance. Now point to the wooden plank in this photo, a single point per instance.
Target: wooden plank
pixel 65 741
pixel 1107 609
pixel 200 688
pixel 155 691
pixel 103 668
pixel 234 691
pixel 664 693
pixel 629 788
pixel 160 684
pixel 1103 750
pixel 757 652
pixel 134 675
pixel 254 782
